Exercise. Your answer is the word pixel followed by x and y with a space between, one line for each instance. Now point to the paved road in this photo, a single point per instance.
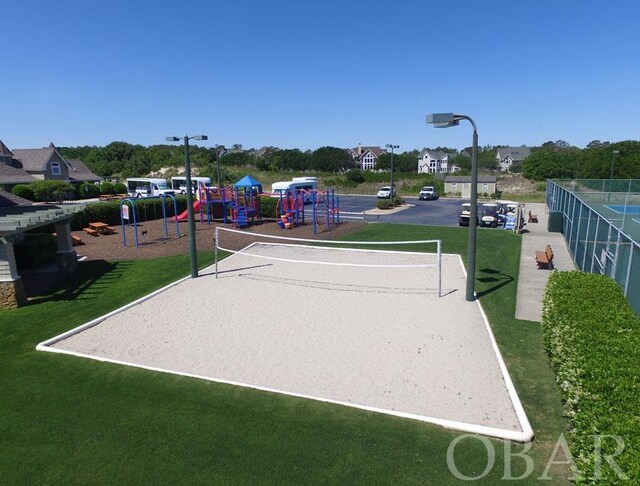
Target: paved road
pixel 443 212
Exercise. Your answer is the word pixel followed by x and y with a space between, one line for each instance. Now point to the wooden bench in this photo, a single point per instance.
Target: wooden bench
pixel 76 241
pixel 90 231
pixel 544 259
pixel 533 218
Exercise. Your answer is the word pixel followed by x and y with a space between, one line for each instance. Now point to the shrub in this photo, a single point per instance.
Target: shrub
pixel 397 201
pixel 385 204
pixel 87 190
pixel 541 186
pixel 120 188
pixel 46 191
pixel 268 206
pixel 592 337
pixel 355 176
pixel 36 249
pixel 107 187
pixel 24 190
pixel 109 211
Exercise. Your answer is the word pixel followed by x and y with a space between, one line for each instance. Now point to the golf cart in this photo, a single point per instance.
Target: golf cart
pixel 463 219
pixel 489 215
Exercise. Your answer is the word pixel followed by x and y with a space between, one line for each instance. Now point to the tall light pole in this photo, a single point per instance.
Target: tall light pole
pixel 613 161
pixel 191 222
pixel 391 147
pixel 445 120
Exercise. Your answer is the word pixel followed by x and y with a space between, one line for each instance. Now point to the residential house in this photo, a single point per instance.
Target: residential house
pixel 436 162
pixel 22 166
pixel 366 158
pixel 506 156
pixel 462 185
pixel 264 151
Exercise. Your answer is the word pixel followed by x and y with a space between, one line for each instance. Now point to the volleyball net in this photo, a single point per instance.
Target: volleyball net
pixel 387 256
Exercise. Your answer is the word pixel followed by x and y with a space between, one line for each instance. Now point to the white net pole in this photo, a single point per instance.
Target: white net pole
pixel 215 251
pixel 439 268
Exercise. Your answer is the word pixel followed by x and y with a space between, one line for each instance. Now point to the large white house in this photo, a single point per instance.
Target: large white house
pixel 366 158
pixel 508 155
pixel 435 162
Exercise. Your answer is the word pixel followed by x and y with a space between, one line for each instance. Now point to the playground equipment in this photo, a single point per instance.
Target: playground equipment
pixel 132 215
pixel 245 202
pixel 325 208
pixel 290 209
pixel 238 204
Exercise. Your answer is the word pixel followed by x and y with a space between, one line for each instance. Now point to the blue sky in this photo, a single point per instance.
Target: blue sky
pixel 298 74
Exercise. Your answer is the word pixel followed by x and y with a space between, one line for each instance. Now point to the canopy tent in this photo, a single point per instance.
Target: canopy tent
pixel 248 182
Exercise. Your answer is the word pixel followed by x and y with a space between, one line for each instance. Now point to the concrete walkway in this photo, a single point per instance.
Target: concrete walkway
pixel 532 281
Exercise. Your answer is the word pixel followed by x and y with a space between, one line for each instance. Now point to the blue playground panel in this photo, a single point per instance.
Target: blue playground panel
pixel 621 209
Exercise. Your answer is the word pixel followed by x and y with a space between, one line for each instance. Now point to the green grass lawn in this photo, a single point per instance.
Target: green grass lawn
pixel 70 420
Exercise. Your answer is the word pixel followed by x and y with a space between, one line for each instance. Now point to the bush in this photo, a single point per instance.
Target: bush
pixel 592 337
pixel 23 190
pixel 120 188
pixel 36 249
pixel 109 211
pixel 397 201
pixel 107 187
pixel 385 204
pixel 46 191
pixel 355 176
pixel 268 206
pixel 87 190
pixel 541 186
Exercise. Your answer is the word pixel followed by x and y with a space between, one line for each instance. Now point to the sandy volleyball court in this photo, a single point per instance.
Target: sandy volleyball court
pixel 375 338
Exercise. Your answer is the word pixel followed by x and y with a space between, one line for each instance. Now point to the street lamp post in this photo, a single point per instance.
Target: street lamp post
pixel 191 222
pixel 391 146
pixel 613 161
pixel 445 120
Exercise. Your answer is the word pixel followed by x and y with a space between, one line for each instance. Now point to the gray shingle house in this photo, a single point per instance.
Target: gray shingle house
pixel 508 155
pixel 22 166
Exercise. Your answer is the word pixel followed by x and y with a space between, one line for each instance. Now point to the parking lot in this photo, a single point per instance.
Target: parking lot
pixel 442 212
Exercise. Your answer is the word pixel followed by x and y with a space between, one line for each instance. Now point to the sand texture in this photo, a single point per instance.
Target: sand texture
pixel 377 337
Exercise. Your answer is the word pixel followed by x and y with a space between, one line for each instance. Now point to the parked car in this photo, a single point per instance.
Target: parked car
pixel 385 192
pixel 489 215
pixel 427 193
pixel 465 214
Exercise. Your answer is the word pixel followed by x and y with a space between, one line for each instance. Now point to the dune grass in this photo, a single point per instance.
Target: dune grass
pixel 70 420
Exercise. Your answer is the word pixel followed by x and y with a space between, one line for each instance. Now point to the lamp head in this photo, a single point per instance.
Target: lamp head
pixel 442 120
pixel 172 139
pixel 200 137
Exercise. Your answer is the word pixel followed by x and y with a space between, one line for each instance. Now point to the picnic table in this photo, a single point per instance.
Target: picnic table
pixel 102 228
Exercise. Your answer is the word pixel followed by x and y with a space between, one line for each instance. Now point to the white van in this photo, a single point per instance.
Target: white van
pixel 179 183
pixel 294 185
pixel 147 187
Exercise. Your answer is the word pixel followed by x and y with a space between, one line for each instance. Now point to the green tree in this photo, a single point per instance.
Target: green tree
pixel 331 159
pixel 550 163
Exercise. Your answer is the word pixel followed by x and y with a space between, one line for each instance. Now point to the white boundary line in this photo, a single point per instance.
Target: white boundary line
pixel 526 435
pixel 610 207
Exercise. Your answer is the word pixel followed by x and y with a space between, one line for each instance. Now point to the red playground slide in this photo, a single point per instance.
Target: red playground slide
pixel 184 215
